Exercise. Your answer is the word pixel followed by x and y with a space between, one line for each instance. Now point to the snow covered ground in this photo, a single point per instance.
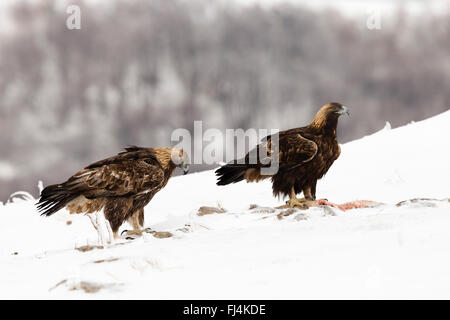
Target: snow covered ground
pixel 386 251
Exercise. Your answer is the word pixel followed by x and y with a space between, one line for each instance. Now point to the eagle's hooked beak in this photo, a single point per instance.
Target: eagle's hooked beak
pixel 344 110
pixel 185 169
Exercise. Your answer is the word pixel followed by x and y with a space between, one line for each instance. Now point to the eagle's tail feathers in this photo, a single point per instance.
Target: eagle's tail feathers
pixel 230 173
pixel 54 198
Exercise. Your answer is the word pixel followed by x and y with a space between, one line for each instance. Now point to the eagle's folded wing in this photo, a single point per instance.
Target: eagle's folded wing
pixel 295 150
pixel 117 179
pixel 131 154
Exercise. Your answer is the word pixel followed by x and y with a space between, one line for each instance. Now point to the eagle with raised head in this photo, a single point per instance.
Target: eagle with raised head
pixel 116 189
pixel 304 156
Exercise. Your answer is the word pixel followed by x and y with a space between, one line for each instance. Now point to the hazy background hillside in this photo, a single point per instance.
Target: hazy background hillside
pixel 139 69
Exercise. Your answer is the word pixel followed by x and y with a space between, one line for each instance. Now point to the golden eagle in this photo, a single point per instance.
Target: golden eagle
pixel 304 155
pixel 121 186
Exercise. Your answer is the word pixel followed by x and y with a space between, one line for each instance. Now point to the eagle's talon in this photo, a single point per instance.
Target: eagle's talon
pixel 148 230
pixel 302 203
pixel 134 232
pixel 124 231
pixel 292 203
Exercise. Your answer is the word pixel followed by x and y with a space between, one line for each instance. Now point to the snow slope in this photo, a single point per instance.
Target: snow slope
pixel 387 251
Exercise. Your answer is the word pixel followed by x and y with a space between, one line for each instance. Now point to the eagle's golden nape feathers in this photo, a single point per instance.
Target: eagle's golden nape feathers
pixel 305 155
pixel 328 115
pixel 164 156
pixel 116 189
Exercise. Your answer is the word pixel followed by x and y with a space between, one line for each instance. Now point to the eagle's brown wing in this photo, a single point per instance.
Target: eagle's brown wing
pixel 125 178
pixel 134 172
pixel 294 149
pixel 130 154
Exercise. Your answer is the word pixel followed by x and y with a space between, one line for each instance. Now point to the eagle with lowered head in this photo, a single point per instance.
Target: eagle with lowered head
pixel 304 156
pixel 116 189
